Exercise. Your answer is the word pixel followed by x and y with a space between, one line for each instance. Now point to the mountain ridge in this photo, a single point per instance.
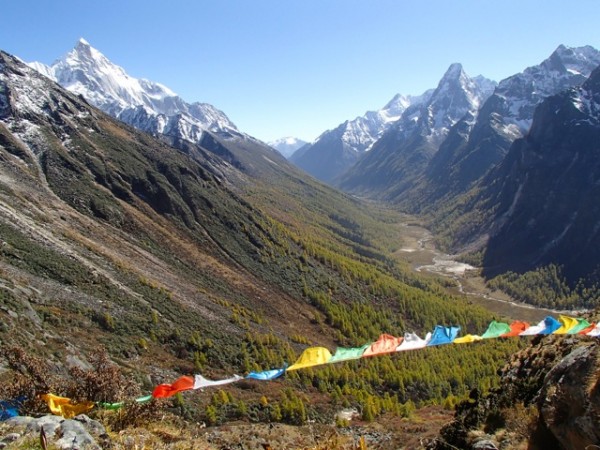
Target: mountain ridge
pixel 336 150
pixel 405 149
pixel 550 177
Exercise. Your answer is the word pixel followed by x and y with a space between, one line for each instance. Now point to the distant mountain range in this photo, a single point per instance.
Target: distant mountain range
pixel 405 149
pixel 336 150
pixel 287 145
pixel 426 153
pixel 448 154
pixel 479 142
pixel 422 157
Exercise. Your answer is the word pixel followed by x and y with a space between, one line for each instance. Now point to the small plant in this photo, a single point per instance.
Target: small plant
pixel 134 414
pixel 104 382
pixel 33 377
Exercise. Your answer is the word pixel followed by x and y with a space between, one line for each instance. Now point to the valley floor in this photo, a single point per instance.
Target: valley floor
pixel 418 249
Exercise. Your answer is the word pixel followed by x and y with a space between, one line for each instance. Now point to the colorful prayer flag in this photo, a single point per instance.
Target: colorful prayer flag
pixel 312 356
pixel 184 383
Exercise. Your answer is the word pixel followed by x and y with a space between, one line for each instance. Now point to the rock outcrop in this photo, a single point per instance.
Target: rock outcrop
pixel 81 432
pixel 549 398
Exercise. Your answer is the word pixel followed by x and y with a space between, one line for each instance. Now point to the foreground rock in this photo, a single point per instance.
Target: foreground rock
pixel 550 398
pixel 80 432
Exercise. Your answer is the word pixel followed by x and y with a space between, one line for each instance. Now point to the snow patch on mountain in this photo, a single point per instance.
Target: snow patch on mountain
pixel 25 98
pixel 360 134
pixel 287 145
pixel 521 93
pixel 585 102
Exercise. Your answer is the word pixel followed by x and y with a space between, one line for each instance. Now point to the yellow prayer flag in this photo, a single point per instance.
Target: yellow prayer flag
pixel 566 324
pixel 62 406
pixel 312 356
pixel 467 339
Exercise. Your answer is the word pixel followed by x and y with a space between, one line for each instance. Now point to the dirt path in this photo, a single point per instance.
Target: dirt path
pixel 418 249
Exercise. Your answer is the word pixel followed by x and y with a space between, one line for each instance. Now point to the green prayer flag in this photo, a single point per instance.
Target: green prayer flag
pixel 581 325
pixel 496 329
pixel 119 405
pixel 345 354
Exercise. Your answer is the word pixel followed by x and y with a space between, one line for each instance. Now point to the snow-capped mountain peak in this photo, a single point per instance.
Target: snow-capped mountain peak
pixel 430 115
pixel 336 150
pixel 86 71
pixel 393 110
pixel 456 82
pixel 145 104
pixel 455 95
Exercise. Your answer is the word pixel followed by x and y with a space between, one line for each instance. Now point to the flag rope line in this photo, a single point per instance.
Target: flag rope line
pixel 316 356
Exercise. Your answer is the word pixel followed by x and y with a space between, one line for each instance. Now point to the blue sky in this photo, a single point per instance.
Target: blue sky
pixel 288 67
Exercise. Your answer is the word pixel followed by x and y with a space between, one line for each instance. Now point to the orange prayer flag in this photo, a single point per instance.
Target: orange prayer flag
pixel 588 329
pixel 385 344
pixel 184 383
pixel 516 328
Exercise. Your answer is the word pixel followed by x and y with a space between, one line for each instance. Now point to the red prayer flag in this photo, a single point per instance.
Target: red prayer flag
pixel 167 390
pixel 516 328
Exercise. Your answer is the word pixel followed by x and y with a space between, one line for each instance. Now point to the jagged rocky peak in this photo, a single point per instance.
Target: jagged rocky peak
pixel 144 104
pixel 83 50
pixel 88 72
pixel 574 59
pixel 393 110
pixel 455 78
pixel 455 95
pixel 457 85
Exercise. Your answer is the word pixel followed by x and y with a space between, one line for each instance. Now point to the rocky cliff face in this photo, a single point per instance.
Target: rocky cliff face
pixel 547 188
pixel 549 399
